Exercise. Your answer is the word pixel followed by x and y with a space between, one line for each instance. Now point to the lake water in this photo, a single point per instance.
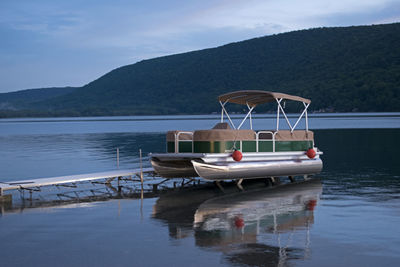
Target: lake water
pixel 348 216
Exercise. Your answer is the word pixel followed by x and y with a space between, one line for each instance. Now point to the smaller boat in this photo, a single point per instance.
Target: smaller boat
pixel 227 152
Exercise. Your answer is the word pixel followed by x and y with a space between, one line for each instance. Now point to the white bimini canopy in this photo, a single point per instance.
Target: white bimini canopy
pixel 256 97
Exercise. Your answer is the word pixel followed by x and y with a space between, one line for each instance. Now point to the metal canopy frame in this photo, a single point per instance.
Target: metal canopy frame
pixel 223 111
pixel 280 110
pixel 292 128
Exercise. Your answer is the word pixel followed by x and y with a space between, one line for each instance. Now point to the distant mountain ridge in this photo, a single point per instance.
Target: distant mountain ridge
pixel 21 99
pixel 340 69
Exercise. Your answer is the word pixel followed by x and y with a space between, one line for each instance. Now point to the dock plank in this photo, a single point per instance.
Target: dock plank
pixel 11 185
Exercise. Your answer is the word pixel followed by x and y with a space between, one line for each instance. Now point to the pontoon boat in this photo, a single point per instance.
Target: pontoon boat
pixel 227 152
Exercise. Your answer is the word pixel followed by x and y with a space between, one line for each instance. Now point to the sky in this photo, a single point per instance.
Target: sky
pixel 46 43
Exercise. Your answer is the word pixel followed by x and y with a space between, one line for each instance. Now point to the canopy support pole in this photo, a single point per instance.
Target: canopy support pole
pixel 226 113
pixel 222 112
pixel 301 115
pixel 251 119
pixel 284 114
pixel 306 116
pixel 248 113
pixel 277 114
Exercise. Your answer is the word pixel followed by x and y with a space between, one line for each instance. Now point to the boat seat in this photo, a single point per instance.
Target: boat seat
pixel 266 136
pixel 183 136
pixel 223 135
pixel 297 135
pixel 222 125
pixel 286 135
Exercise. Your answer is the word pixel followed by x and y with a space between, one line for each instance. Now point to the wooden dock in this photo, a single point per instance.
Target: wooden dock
pixel 129 183
pixel 24 184
pixel 36 184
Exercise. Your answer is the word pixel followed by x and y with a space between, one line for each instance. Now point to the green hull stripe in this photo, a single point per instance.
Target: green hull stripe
pixel 293 145
pixel 184 147
pixel 215 146
pixel 170 147
pixel 265 146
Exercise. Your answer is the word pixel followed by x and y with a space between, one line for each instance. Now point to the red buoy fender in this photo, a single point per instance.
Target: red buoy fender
pixel 239 222
pixel 311 153
pixel 311 204
pixel 237 155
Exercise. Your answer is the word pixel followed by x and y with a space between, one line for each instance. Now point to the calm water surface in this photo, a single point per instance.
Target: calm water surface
pixel 350 217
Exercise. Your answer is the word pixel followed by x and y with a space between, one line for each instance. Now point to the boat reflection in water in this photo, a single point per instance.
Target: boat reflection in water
pixel 261 226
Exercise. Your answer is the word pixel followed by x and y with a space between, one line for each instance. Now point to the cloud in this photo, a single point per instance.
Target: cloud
pixel 273 16
pixel 107 34
pixel 126 24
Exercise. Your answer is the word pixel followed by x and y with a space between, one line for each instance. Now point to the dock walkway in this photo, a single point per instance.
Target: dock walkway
pixel 60 180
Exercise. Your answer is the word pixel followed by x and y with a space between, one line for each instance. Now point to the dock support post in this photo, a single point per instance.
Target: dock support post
pixel 4 198
pixel 117 158
pixel 275 181
pixel 239 184
pixel 118 183
pixel 219 186
pixel 141 168
pixel 141 182
pixel 155 188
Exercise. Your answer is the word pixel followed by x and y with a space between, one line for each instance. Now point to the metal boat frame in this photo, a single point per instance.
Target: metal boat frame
pixel 279 109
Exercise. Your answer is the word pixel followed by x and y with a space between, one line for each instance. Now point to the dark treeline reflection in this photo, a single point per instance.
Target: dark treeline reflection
pixel 360 162
pixel 359 149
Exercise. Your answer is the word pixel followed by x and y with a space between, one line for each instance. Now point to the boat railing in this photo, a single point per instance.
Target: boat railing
pixel 265 140
pixel 258 139
pixel 177 135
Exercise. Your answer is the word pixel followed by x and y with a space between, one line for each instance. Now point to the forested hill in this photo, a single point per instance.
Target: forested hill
pixel 17 101
pixel 339 69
